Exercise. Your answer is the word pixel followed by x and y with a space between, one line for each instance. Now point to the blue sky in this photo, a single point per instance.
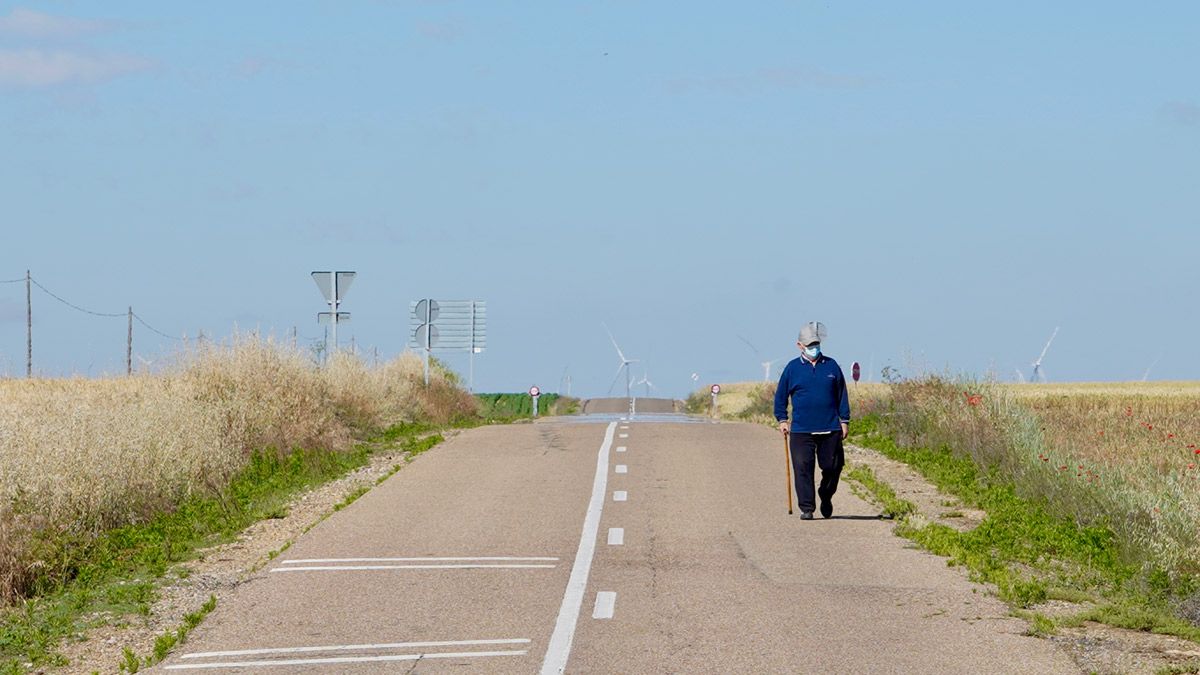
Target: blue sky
pixel 941 183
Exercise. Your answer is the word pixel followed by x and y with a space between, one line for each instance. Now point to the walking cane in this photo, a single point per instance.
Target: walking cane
pixel 787 458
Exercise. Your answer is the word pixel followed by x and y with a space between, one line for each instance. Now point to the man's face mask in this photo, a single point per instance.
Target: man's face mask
pixel 812 351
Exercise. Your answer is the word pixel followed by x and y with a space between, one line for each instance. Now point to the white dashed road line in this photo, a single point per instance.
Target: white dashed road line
pixel 606 602
pixel 616 536
pixel 620 496
pixel 620 448
pixel 622 468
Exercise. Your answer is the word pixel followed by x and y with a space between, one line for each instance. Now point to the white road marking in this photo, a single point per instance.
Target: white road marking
pixel 333 568
pixel 342 648
pixel 616 536
pixel 559 648
pixel 620 448
pixel 620 496
pixel 306 561
pixel 621 468
pixel 624 435
pixel 606 602
pixel 340 659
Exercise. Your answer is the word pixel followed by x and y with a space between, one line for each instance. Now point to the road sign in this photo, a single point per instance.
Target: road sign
pixel 855 371
pixel 716 389
pixel 534 391
pixel 327 317
pixel 430 306
pixel 422 338
pixel 334 286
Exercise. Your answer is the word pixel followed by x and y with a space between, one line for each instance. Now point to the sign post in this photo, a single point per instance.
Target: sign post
pixel 715 389
pixel 535 393
pixel 334 286
pixel 449 326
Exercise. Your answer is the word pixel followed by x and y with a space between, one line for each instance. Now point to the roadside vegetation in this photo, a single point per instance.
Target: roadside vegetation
pixel 505 407
pixel 109 483
pixel 1090 491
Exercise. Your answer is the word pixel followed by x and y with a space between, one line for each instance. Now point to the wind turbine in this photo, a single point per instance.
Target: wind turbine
pixel 646 381
pixel 624 364
pixel 765 364
pixel 1037 365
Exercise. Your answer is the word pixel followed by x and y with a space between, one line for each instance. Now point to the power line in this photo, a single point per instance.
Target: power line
pixel 74 306
pixel 14 281
pixel 153 329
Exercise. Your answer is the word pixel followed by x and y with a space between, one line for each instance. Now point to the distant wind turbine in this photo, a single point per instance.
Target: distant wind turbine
pixel 624 365
pixel 765 364
pixel 1146 375
pixel 646 381
pixel 1037 365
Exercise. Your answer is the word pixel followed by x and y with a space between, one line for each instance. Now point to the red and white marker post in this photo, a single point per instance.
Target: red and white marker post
pixel 534 393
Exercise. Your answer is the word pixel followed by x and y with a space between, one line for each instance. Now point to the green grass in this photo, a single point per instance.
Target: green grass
pixel 1028 554
pixel 507 407
pixel 115 576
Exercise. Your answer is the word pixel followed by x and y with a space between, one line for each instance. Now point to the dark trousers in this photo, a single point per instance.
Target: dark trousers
pixel 808 450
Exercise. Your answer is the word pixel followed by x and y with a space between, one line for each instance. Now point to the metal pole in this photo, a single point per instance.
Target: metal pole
pixel 293 337
pixel 129 346
pixel 334 304
pixel 28 325
pixel 471 377
pixel 428 336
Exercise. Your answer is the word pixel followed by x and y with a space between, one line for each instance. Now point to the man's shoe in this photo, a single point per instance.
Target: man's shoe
pixel 806 515
pixel 826 508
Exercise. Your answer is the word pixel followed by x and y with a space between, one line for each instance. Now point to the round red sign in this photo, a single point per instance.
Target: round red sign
pixel 855 371
pixel 716 389
pixel 534 391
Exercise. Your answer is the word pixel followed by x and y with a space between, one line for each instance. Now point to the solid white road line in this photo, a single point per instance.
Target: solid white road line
pixel 620 496
pixel 339 659
pixel 622 468
pixel 606 602
pixel 559 648
pixel 307 561
pixel 356 648
pixel 620 448
pixel 340 568
pixel 616 536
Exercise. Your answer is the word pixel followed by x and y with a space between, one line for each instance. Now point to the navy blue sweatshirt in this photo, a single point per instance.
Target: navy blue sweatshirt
pixel 818 395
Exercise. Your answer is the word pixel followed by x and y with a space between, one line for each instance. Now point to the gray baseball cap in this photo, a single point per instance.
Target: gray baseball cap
pixel 813 331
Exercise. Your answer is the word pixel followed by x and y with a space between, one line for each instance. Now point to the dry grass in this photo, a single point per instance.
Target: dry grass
pixel 1122 455
pixel 754 401
pixel 83 456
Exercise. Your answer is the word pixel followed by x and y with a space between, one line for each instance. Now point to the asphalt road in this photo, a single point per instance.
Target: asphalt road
pixel 498 552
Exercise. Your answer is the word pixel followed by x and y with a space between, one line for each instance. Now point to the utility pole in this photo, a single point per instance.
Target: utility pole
pixel 28 325
pixel 129 346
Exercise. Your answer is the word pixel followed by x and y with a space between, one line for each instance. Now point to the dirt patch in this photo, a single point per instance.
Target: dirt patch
pixel 932 506
pixel 216 571
pixel 1106 650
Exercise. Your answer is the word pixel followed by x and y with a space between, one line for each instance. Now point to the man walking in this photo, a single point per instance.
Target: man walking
pixel 816 387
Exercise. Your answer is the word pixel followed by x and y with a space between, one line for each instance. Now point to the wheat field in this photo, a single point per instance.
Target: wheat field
pixel 81 456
